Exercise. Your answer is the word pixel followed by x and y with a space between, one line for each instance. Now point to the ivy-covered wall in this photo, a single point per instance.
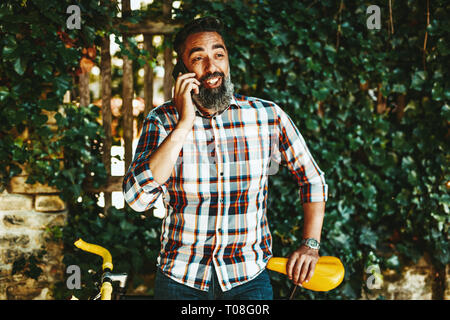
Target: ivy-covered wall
pixel 47 148
pixel 373 108
pixel 371 104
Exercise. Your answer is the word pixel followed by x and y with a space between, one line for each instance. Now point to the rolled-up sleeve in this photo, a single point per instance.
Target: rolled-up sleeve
pixel 139 187
pixel 293 152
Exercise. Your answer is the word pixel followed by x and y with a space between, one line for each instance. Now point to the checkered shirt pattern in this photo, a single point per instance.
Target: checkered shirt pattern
pixel 216 197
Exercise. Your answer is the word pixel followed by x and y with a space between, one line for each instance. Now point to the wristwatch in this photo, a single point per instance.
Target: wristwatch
pixel 311 243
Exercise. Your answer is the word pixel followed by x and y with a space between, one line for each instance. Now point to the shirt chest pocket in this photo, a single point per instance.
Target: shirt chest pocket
pixel 254 145
pixel 248 153
pixel 198 161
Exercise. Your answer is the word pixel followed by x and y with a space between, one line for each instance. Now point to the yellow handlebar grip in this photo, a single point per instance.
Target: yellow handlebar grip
pixel 328 274
pixel 106 291
pixel 95 249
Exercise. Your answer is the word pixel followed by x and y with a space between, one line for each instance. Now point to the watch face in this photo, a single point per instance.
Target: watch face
pixel 312 243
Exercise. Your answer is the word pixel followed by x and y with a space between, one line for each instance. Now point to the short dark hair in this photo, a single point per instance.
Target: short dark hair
pixel 204 24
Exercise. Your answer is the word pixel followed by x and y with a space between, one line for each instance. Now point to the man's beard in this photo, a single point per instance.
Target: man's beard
pixel 215 99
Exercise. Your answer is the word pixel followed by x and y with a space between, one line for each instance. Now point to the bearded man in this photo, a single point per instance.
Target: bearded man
pixel 208 152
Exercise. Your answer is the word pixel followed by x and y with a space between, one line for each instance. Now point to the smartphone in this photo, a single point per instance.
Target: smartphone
pixel 179 67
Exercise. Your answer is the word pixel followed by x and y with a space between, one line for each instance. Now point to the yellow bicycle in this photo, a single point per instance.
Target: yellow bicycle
pixel 328 274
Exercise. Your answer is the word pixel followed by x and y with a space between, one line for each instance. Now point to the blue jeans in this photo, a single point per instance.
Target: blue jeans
pixel 259 288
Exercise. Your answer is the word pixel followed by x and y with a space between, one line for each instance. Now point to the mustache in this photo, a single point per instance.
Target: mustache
pixel 212 75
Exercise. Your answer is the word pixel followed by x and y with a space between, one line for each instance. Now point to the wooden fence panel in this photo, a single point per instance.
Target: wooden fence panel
pixel 148 75
pixel 148 29
pixel 83 87
pixel 127 94
pixel 168 54
pixel 127 107
pixel 105 71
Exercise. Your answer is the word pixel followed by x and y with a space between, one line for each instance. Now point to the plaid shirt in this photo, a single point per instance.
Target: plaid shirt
pixel 216 197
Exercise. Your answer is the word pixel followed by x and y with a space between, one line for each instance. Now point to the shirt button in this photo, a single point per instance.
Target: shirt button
pixel 221 173
pixel 221 200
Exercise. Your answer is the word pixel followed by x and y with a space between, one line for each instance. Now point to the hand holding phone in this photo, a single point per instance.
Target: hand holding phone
pixel 185 85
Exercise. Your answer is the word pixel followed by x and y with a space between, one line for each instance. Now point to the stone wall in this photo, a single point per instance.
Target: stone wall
pixel 420 281
pixel 28 213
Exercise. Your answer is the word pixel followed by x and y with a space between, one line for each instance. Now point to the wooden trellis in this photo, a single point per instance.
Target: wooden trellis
pixel 148 29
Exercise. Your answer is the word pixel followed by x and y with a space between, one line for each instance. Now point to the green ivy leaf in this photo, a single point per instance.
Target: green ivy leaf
pixel 393 262
pixel 19 66
pixel 368 237
pixel 44 70
pixel 320 94
pixel 438 92
pixel 399 88
pixel 418 79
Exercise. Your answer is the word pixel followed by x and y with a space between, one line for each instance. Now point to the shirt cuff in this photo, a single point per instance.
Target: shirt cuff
pixel 146 182
pixel 314 193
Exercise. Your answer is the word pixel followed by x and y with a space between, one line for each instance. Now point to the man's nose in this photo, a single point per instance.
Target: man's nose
pixel 210 66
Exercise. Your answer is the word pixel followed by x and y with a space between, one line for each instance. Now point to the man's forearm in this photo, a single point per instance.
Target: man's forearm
pixel 162 161
pixel 313 219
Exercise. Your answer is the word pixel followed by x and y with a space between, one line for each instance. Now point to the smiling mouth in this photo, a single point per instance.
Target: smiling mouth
pixel 213 82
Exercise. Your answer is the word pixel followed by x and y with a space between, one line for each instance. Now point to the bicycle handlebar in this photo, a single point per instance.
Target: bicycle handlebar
pixel 328 274
pixel 98 250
